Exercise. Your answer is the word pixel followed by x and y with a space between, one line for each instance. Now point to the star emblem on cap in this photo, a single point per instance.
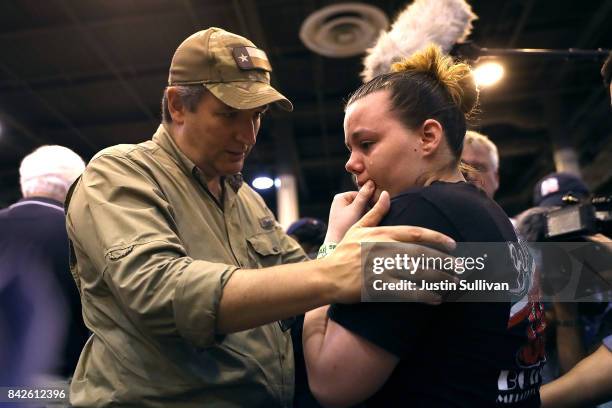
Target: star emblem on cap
pixel 243 58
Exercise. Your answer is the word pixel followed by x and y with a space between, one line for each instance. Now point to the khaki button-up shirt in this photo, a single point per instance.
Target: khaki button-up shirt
pixel 151 250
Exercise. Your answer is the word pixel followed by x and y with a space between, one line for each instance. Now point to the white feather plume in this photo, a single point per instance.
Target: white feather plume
pixel 443 22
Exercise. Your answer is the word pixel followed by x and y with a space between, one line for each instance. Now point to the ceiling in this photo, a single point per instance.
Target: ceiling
pixel 88 74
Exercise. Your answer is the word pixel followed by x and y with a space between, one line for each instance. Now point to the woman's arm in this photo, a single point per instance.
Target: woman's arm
pixel 343 368
pixel 587 384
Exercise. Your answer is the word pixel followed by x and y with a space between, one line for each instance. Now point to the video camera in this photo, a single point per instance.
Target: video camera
pixel 578 219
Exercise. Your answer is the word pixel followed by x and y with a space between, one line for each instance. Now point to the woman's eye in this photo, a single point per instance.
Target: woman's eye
pixel 366 145
pixel 228 115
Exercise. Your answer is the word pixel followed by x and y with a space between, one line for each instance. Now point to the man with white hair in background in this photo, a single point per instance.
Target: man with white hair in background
pixel 41 328
pixel 481 153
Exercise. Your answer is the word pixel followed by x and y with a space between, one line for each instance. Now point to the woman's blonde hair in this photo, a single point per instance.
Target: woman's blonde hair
pixel 457 78
pixel 429 85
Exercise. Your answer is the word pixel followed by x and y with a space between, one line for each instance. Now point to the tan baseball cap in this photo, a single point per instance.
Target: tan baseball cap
pixel 231 67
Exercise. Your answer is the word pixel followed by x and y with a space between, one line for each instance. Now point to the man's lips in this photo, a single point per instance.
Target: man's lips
pixel 236 154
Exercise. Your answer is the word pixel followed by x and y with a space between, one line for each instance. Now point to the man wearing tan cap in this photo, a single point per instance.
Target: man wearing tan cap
pixel 184 274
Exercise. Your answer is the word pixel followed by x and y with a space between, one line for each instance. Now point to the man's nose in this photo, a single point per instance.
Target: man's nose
pixel 247 132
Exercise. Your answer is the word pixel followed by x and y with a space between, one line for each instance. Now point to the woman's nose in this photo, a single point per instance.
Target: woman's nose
pixel 354 165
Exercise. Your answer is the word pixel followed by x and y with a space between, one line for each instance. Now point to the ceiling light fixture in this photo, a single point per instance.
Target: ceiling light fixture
pixel 343 30
pixel 488 74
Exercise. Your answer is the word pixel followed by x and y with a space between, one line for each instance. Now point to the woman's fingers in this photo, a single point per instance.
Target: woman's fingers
pixel 413 235
pixel 373 217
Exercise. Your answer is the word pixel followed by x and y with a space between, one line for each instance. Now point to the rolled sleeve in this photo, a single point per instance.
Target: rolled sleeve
pixel 198 293
pixel 128 232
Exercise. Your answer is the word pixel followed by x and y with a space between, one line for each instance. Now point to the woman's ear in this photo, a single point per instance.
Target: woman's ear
pixel 431 136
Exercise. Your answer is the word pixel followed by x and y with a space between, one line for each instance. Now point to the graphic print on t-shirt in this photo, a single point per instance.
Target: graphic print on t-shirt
pixel 526 316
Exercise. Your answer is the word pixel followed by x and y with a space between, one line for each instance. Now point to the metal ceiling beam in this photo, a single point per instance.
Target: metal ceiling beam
pixel 597 21
pixel 9 121
pixel 130 20
pixel 321 104
pixel 319 78
pixel 599 18
pixel 57 81
pixel 597 172
pixel 54 111
pixel 561 136
pixel 193 16
pixel 251 25
pixel 521 23
pixel 106 60
pixel 525 119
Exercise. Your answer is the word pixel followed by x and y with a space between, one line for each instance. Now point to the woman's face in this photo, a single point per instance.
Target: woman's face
pixel 382 149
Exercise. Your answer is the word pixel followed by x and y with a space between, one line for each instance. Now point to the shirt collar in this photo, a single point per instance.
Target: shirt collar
pixel 45 200
pixel 164 140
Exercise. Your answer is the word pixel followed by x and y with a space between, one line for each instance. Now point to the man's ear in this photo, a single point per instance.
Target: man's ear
pixel 431 136
pixel 175 106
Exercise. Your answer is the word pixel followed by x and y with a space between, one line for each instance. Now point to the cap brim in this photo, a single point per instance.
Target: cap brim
pixel 553 200
pixel 556 199
pixel 248 95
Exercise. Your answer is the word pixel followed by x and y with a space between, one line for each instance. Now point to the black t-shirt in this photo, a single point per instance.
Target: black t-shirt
pixel 454 354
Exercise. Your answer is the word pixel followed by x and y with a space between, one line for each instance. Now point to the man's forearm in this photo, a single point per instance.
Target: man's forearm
pixel 569 335
pixel 253 297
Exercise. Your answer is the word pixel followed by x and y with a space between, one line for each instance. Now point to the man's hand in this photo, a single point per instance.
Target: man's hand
pixel 345 263
pixel 255 297
pixel 346 209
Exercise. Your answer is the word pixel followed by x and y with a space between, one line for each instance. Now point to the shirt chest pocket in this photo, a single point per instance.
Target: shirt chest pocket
pixel 264 249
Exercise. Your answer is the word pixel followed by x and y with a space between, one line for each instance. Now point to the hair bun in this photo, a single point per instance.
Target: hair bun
pixel 457 78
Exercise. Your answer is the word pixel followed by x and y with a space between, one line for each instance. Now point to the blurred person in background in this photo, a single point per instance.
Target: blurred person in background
pixel 309 233
pixel 480 153
pixel 565 334
pixel 590 381
pixel 40 311
pixel 606 74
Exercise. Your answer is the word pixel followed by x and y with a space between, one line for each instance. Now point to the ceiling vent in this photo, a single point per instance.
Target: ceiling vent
pixel 343 30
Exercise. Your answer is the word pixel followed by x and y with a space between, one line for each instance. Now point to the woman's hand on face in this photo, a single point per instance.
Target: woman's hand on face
pixel 346 209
